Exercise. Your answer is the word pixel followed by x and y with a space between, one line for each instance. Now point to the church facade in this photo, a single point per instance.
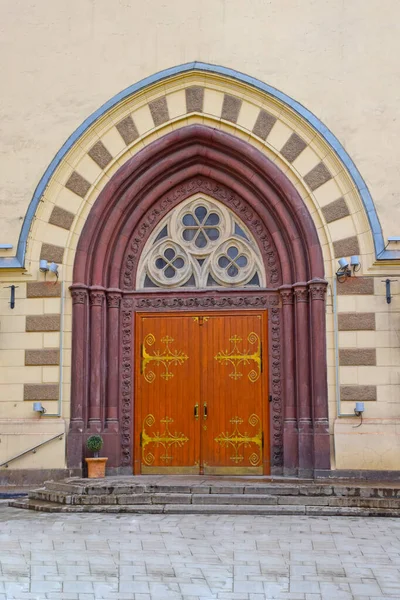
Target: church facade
pixel 205 275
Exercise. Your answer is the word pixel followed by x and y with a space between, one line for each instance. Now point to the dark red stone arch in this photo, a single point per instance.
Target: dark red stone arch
pixel 198 158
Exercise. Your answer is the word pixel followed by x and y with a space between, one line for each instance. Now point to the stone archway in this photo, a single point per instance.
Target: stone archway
pixel 104 301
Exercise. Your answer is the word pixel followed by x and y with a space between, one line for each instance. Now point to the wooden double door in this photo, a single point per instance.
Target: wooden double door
pixel 201 401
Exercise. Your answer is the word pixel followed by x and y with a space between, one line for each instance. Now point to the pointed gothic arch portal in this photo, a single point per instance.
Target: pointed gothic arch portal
pixel 109 288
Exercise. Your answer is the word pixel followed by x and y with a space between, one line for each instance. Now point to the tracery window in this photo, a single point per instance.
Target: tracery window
pixel 200 244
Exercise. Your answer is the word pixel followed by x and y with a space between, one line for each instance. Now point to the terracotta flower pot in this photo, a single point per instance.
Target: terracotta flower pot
pixel 96 467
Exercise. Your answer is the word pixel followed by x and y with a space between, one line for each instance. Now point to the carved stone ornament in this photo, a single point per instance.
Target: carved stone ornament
pixel 301 293
pixel 286 295
pixel 96 297
pixel 198 301
pixel 79 296
pixel 275 350
pixel 318 289
pixel 113 300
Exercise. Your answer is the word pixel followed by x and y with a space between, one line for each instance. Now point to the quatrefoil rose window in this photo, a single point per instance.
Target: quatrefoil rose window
pixel 200 244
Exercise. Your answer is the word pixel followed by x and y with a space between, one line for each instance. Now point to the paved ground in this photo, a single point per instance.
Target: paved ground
pixel 160 557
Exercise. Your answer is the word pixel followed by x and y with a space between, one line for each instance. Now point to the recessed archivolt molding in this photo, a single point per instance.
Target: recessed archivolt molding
pixel 215 100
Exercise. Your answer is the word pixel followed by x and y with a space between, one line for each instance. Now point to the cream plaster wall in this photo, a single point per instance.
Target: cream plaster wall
pixel 61 60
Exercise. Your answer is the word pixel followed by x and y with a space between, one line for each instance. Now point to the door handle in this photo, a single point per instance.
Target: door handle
pixel 205 411
pixel 196 411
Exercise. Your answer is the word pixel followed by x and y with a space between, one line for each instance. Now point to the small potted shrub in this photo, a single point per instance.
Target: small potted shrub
pixel 96 466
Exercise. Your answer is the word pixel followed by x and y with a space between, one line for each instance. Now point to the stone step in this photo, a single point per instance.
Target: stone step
pixel 248 509
pixel 103 488
pixel 211 499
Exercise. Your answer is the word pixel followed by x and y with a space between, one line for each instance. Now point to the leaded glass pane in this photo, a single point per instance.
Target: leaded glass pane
pixel 160 263
pixel 213 234
pixel 169 272
pixel 233 252
pixel 201 241
pixel 169 253
pixel 212 219
pixel 178 263
pixel 241 261
pixel 232 271
pixel 200 213
pixel 189 220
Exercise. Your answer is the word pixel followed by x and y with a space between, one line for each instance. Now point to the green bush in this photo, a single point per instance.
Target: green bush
pixel 94 444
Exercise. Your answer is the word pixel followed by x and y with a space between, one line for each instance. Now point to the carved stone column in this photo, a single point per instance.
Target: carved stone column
pixel 304 414
pixel 78 376
pixel 113 359
pixel 96 297
pixel 319 374
pixel 290 430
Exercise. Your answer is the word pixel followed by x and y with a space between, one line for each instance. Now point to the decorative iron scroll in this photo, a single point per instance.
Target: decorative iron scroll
pixel 239 440
pixel 236 357
pixel 165 357
pixel 165 439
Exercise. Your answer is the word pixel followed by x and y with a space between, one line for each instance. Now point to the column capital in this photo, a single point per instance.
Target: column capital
pixel 301 292
pixel 317 288
pixel 96 295
pixel 79 293
pixel 286 292
pixel 113 296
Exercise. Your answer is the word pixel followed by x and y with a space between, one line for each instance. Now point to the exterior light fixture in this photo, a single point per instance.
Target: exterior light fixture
pixel 346 268
pixel 44 266
pixel 39 408
pixel 358 411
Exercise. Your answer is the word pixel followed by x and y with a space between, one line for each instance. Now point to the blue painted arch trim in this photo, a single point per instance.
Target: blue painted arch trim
pixel 381 252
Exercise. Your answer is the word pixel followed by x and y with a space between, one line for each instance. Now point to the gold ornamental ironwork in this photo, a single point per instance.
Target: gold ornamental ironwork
pixel 166 439
pixel 237 358
pixel 238 440
pixel 160 358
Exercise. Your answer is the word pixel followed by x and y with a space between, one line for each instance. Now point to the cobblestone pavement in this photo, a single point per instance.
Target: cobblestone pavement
pixel 160 557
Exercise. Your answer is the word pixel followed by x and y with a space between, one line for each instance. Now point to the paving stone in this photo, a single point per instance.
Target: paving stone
pixel 293 557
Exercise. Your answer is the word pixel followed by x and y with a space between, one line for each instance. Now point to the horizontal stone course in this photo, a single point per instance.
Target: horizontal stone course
pixel 357 357
pixel 47 356
pixel 360 393
pixel 356 321
pixel 41 391
pixel 42 323
pixel 43 289
pixel 356 285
